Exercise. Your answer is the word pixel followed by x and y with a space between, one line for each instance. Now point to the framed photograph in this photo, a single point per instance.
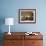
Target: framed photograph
pixel 27 16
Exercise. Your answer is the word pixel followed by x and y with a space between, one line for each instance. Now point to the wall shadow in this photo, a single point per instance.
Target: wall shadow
pixel 2 21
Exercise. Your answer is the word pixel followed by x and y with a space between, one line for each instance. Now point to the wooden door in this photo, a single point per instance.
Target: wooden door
pixel 33 43
pixel 13 43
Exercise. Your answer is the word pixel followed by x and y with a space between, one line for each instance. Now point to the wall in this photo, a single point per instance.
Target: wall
pixel 9 8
